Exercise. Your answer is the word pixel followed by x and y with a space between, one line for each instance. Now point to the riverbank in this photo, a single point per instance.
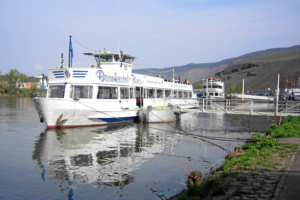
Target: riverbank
pixel 25 92
pixel 255 172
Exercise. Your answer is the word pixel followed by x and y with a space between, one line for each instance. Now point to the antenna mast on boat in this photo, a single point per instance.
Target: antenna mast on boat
pixel 61 60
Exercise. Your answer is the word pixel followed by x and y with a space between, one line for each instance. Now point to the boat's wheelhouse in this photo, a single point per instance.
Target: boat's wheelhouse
pixel 113 61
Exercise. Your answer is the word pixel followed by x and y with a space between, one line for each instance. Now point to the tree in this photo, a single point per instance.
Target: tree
pixel 33 89
pixel 15 79
pixel 232 89
pixel 1 83
pixel 198 86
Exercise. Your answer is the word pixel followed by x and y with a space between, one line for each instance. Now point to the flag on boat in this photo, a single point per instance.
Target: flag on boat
pixel 71 52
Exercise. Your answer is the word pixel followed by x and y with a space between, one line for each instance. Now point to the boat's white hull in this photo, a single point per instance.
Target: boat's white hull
pixel 70 113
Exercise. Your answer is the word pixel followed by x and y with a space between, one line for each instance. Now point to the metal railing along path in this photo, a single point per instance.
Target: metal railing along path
pixel 250 107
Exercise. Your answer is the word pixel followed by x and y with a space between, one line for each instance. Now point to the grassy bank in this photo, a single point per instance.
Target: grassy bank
pixel 254 159
pixel 24 92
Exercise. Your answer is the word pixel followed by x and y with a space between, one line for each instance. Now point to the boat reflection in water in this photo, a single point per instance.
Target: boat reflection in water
pixel 100 155
pixel 137 161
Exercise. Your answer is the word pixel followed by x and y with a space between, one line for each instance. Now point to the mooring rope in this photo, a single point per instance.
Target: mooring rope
pixel 188 133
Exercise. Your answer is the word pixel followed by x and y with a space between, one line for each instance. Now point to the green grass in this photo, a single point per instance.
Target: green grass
pixel 290 128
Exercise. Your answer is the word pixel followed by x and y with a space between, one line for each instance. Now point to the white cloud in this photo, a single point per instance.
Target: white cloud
pixel 38 67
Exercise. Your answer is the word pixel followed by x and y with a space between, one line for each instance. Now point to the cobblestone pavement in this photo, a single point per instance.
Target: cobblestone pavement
pixel 261 185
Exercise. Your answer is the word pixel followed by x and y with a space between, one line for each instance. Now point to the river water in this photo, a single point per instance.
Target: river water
pixel 129 161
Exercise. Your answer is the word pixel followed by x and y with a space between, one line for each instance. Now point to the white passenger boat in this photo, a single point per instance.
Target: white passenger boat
pixel 107 94
pixel 213 88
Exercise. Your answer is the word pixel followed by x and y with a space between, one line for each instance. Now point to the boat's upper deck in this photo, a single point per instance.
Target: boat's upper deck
pixel 119 62
pixel 110 77
pixel 111 69
pixel 212 81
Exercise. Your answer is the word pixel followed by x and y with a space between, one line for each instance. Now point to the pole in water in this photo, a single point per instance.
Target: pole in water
pixel 277 94
pixel 243 88
pixel 43 86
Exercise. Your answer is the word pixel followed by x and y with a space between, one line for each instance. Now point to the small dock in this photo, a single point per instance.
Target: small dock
pixel 154 115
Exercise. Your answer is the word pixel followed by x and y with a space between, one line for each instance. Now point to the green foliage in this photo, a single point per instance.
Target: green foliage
pixel 290 128
pixel 33 89
pixel 15 78
pixel 257 136
pixel 210 186
pixel 27 92
pixel 232 89
pixel 198 86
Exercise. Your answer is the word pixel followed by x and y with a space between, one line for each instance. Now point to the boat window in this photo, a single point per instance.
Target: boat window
pixel 127 59
pixel 150 93
pixel 97 59
pixel 217 86
pixel 106 58
pixel 138 92
pixel 132 93
pixel 56 91
pixel 175 94
pixel 190 94
pixel 82 92
pixel 107 92
pixel 216 94
pixel 160 93
pixel 179 94
pixel 168 93
pixel 185 94
pixel 124 92
pixel 117 58
pixel 211 94
pixel 91 92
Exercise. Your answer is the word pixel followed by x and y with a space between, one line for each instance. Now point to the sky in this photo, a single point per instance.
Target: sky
pixel 160 33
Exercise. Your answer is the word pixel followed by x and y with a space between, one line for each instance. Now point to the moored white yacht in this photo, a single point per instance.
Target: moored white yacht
pixel 108 93
pixel 213 88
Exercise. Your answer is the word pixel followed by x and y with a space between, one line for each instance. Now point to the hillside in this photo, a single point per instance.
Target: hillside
pixel 260 73
pixel 195 72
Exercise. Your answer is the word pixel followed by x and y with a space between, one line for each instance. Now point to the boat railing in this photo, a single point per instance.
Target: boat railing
pixel 251 107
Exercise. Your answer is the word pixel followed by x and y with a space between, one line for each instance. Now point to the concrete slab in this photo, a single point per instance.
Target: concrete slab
pixel 292 140
pixel 291 186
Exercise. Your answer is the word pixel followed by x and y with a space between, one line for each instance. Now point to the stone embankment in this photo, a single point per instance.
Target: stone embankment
pixel 262 177
pixel 266 183
pixel 265 168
